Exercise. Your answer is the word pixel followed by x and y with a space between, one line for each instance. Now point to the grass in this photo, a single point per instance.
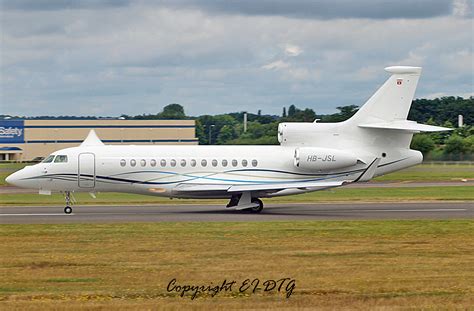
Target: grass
pixel 8 168
pixel 335 264
pixel 431 172
pixel 459 193
pixel 423 172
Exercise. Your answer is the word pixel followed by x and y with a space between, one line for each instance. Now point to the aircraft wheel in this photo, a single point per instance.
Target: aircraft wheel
pixel 68 210
pixel 258 208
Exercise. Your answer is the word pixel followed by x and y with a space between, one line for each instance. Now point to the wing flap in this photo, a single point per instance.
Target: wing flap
pixel 281 186
pixel 201 187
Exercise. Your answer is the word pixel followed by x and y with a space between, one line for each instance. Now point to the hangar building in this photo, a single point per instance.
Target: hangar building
pixel 25 140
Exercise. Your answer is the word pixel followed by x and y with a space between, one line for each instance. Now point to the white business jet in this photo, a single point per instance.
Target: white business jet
pixel 310 157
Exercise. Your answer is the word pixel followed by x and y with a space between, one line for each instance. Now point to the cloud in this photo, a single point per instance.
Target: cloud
pixel 135 57
pixel 462 8
pixel 293 50
pixel 279 64
pixel 327 9
pixel 321 9
pixel 52 5
pixel 442 94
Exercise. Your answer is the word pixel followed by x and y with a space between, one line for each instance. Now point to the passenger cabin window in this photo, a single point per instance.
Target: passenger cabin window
pixel 173 162
pixel 234 162
pixel 133 162
pixel 163 162
pixel 193 163
pixel 49 159
pixel 142 162
pixel 254 163
pixel 183 162
pixel 214 162
pixel 203 162
pixel 244 163
pixel 123 162
pixel 224 163
pixel 153 162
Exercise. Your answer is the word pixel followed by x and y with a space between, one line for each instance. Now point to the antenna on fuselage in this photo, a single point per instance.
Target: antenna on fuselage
pixel 92 140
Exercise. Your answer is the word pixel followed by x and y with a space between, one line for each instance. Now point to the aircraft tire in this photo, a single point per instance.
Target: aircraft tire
pixel 68 210
pixel 257 209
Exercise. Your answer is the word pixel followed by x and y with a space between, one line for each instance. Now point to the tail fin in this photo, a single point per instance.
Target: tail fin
pixel 393 99
pixel 388 108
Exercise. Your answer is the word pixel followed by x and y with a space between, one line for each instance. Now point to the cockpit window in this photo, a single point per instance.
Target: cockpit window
pixel 49 159
pixel 61 159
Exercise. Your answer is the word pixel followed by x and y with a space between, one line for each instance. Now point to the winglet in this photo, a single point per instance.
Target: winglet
pixel 369 172
pixel 92 140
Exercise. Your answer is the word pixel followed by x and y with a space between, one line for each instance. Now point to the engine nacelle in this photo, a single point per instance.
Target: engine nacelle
pixel 322 159
pixel 294 132
pixel 304 133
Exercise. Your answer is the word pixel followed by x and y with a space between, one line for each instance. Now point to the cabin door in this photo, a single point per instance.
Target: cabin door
pixel 86 170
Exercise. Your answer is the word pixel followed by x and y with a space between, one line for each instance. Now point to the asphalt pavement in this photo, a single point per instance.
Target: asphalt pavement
pixel 203 213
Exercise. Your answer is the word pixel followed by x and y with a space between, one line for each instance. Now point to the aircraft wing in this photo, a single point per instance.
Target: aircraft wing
pixel 257 187
pixel 366 175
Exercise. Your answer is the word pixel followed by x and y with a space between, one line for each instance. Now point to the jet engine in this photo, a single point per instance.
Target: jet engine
pixel 322 159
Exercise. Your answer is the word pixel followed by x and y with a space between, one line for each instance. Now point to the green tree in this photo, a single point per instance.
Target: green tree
pixel 345 112
pixel 307 115
pixel 455 145
pixel 423 143
pixel 226 134
pixel 443 109
pixel 200 133
pixel 291 110
pixel 469 144
pixel 172 111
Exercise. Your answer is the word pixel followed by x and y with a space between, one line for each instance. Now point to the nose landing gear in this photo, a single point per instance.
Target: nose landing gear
pixel 69 200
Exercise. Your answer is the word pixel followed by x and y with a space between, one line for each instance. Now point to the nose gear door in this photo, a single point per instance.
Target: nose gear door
pixel 86 170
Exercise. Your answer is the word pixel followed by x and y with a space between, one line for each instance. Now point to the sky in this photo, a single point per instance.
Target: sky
pixel 113 57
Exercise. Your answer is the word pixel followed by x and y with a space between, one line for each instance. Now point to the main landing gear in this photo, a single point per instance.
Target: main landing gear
pixel 245 202
pixel 68 197
pixel 257 209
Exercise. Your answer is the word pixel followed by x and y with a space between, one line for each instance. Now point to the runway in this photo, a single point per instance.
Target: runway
pixel 271 212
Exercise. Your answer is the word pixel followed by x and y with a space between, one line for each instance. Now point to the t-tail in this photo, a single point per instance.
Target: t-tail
pixel 388 108
pixel 379 133
pixel 381 124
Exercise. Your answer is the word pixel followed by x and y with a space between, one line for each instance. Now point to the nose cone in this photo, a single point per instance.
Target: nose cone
pixel 24 178
pixel 12 179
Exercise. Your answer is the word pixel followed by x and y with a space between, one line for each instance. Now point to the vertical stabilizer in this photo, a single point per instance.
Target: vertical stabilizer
pixel 393 99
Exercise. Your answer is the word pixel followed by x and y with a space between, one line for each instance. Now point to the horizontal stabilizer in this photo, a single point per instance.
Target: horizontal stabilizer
pixel 406 126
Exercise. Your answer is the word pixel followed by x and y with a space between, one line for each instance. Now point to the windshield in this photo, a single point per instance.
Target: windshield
pixel 49 159
pixel 60 159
